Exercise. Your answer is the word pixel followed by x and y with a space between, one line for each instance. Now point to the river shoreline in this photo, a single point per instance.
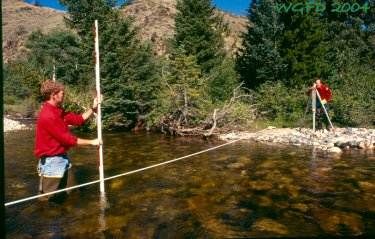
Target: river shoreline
pixel 330 141
pixel 13 125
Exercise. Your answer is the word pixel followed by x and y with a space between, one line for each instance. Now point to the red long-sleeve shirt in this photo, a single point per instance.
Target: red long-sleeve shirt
pixel 52 135
pixel 325 92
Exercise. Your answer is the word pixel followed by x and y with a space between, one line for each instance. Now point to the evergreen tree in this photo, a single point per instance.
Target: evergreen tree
pixel 82 14
pixel 352 59
pixel 335 46
pixel 348 49
pixel 184 99
pixel 259 58
pixel 22 81
pixel 189 89
pixel 304 47
pixel 223 79
pixel 60 49
pixel 128 71
pixel 199 32
pixel 369 22
pixel 81 17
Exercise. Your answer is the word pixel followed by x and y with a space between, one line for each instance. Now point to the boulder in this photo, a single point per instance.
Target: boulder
pixel 334 150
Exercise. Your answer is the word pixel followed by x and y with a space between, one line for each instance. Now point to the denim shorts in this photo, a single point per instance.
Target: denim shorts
pixel 54 167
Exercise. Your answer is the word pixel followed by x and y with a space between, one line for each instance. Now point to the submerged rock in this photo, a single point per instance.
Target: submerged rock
pixel 269 225
pixel 367 186
pixel 293 190
pixel 338 223
pixel 282 205
pixel 116 221
pixel 264 201
pixel 334 150
pixel 244 160
pixel 300 207
pixel 268 164
pixel 260 185
pixel 236 165
pixel 117 184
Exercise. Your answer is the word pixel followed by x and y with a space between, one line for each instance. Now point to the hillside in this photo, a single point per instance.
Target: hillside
pixel 20 19
pixel 154 18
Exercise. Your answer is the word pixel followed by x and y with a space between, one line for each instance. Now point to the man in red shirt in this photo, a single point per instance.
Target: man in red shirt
pixel 53 138
pixel 325 94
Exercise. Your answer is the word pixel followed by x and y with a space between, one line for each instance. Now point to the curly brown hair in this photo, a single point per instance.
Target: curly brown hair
pixel 50 87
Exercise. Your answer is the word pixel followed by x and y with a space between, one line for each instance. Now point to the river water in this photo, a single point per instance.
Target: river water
pixel 244 189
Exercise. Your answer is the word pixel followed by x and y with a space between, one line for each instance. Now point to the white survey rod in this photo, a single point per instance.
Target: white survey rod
pixel 54 73
pixel 313 105
pixel 324 108
pixel 99 111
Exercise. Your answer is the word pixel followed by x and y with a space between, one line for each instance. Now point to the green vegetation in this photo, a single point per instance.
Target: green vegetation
pixel 283 53
pixel 197 77
pixel 198 32
pixel 197 85
pixel 259 59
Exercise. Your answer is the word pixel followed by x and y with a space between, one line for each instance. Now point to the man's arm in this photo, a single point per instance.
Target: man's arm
pixel 55 129
pixel 89 112
pixel 73 119
pixel 94 142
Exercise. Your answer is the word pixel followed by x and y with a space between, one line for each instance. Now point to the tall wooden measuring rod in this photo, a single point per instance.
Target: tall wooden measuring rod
pixel 99 111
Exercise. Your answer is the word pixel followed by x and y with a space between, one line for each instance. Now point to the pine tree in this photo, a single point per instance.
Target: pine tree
pixel 259 58
pixel 82 14
pixel 304 48
pixel 60 49
pixel 128 70
pixel 189 89
pixel 352 57
pixel 81 17
pixel 183 95
pixel 198 32
pixel 224 79
pixel 369 23
pixel 350 36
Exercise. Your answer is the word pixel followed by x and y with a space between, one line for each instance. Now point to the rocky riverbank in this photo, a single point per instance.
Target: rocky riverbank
pixel 11 125
pixel 331 141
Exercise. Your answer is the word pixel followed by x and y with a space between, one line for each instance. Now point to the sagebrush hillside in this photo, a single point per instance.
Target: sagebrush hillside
pixel 154 18
pixel 20 19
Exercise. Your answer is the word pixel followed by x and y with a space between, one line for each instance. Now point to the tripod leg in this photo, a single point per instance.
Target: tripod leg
pixel 313 103
pixel 325 111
